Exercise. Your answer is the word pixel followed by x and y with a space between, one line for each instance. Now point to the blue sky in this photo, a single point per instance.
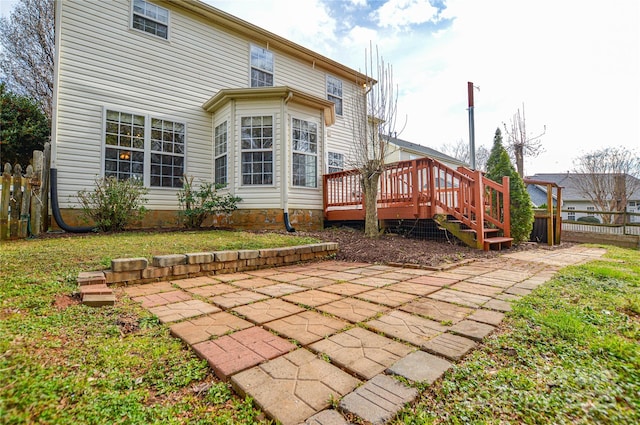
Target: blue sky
pixel 574 64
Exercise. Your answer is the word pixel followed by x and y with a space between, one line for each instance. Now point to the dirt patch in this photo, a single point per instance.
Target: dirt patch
pixel 128 323
pixel 63 301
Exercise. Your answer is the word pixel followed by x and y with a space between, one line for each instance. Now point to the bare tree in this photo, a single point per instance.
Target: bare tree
pixel 608 177
pixel 374 120
pixel 519 143
pixel 27 55
pixel 460 150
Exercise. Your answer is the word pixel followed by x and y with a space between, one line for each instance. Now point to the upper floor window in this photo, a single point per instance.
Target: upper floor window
pixel 305 150
pixel 261 67
pixel 590 213
pixel 334 92
pixel 335 162
pixel 126 156
pixel 256 145
pixel 220 153
pixel 150 18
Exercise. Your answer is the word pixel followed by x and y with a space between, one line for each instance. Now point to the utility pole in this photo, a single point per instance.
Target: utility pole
pixel 472 131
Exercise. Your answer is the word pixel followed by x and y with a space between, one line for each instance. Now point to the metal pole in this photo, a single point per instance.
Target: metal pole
pixel 472 132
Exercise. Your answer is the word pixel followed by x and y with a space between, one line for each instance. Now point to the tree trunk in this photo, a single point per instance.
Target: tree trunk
pixel 519 154
pixel 370 188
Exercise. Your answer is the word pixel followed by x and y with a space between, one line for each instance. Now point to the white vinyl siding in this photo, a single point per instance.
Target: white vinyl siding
pixel 106 65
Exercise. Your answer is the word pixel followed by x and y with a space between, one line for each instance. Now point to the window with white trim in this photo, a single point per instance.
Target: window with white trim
pixel 150 18
pixel 220 154
pixel 571 215
pixel 261 67
pixel 125 155
pixel 590 213
pixel 335 162
pixel 305 153
pixel 334 92
pixel 256 146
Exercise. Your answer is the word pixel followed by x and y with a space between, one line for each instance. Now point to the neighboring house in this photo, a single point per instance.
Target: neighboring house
pixel 401 150
pixel 155 90
pixel 573 198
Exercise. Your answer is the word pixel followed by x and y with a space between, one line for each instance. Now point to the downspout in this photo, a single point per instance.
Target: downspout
pixel 285 168
pixel 55 208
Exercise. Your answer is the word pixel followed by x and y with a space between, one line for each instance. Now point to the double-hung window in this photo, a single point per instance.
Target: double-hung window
pixel 305 152
pixel 571 214
pixel 335 162
pixel 126 154
pixel 150 18
pixel 591 212
pixel 256 145
pixel 334 92
pixel 220 153
pixel 261 67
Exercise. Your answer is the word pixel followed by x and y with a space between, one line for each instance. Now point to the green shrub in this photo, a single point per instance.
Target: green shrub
pixel 113 204
pixel 589 219
pixel 498 166
pixel 198 204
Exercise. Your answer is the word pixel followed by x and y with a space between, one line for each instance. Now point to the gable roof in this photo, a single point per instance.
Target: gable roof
pixel 236 25
pixel 426 151
pixel 568 181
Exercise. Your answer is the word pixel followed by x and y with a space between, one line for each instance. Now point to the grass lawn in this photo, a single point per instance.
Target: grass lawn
pixel 76 365
pixel 568 353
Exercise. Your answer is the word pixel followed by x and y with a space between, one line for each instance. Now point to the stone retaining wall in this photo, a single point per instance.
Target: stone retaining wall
pixel 181 266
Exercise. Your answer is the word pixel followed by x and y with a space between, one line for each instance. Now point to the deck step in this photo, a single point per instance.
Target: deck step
pixel 487 230
pixel 498 241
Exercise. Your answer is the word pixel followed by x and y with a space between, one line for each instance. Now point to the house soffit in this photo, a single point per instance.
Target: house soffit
pixel 287 94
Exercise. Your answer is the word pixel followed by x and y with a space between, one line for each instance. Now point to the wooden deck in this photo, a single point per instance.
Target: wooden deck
pixel 424 189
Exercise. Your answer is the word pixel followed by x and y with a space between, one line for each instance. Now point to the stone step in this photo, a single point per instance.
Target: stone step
pixel 97 289
pixel 98 300
pixel 90 278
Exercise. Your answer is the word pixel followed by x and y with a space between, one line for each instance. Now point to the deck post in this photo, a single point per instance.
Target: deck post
pixel 550 227
pixel 506 206
pixel 558 215
pixel 415 185
pixel 479 195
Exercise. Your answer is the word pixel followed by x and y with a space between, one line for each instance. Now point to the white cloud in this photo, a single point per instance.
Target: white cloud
pixel 401 13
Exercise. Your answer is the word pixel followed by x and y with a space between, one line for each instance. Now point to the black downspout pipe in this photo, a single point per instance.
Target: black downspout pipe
pixel 287 224
pixel 55 208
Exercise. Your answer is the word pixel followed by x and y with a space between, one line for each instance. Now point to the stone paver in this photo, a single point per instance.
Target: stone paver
pixel 306 327
pixel 326 417
pixel 346 289
pixel 315 282
pixel 280 289
pixel 234 299
pixel 407 327
pixel 450 346
pixel 312 298
pixel 253 283
pixel 148 289
pixel 182 310
pixel 379 400
pixel 475 288
pixel 194 281
pixel 352 309
pixel 472 329
pixel 420 367
pixel 489 317
pixel 204 328
pixel 295 386
pixel 208 291
pixel 266 311
pixel 413 288
pixel 437 310
pixel 444 313
pixel 461 298
pixel 241 350
pixel 386 297
pixel 363 352
pixel 162 298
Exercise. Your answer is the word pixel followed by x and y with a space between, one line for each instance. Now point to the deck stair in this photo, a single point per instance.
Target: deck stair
pixel 464 202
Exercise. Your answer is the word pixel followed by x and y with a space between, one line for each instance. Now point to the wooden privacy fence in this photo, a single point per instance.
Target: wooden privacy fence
pixel 24 197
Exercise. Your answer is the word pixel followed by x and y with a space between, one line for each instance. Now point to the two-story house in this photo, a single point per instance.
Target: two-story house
pixel 155 90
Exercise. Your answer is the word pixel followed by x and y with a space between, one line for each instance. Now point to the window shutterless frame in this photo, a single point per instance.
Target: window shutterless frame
pixel 150 18
pixel 261 67
pixel 257 157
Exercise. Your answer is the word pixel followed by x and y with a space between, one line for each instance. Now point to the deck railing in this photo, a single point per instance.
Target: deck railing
pixel 422 188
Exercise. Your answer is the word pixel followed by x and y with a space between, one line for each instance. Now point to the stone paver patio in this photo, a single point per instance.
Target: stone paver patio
pixel 296 337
